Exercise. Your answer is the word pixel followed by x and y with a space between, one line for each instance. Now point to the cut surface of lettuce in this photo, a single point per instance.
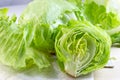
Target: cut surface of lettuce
pixel 82 48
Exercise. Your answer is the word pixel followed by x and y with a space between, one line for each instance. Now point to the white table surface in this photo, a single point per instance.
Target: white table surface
pixel 110 74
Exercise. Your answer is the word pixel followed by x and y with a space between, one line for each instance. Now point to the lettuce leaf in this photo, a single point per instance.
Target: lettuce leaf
pixel 105 17
pixel 98 15
pixel 103 14
pixel 14 50
pixel 41 17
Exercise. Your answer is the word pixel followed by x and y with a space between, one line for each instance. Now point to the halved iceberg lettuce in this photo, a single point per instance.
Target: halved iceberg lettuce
pixel 82 48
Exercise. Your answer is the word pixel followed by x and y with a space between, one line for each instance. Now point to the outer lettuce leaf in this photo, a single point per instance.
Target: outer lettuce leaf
pixel 114 7
pixel 76 2
pixel 82 48
pixel 41 17
pixel 14 50
pixel 104 14
pixel 98 15
pixel 104 17
pixel 110 5
pixel 99 2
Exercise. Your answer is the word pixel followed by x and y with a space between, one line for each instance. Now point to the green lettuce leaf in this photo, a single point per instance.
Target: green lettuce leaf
pixel 110 5
pixel 82 48
pixel 41 17
pixel 98 15
pixel 105 17
pixel 102 13
pixel 14 50
pixel 99 2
